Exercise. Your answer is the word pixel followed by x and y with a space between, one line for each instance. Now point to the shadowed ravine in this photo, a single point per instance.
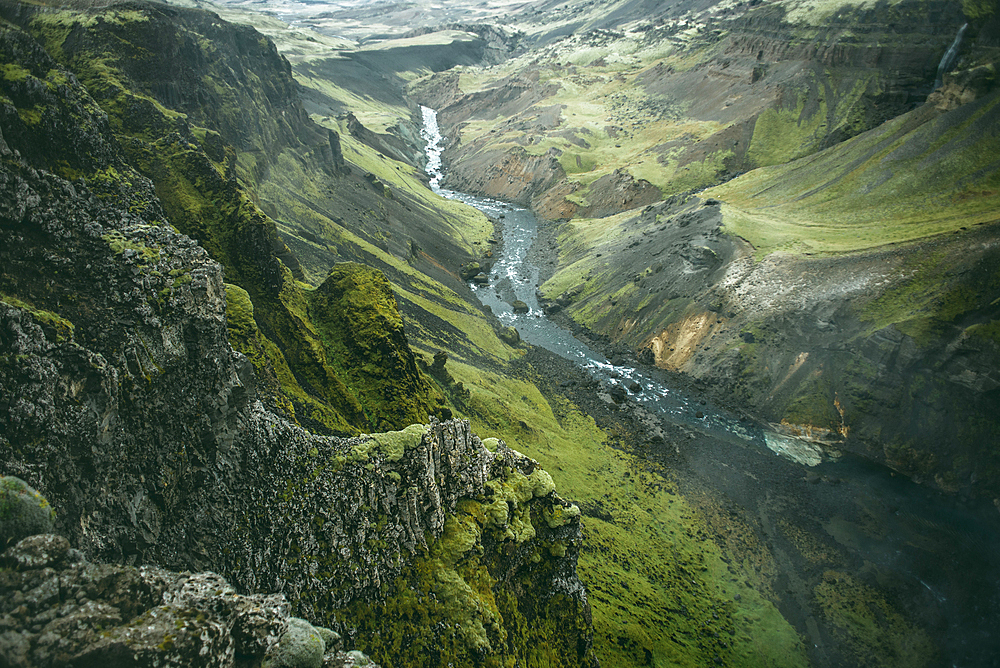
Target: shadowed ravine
pixel 930 556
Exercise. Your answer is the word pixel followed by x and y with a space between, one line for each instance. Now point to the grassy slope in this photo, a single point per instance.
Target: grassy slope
pixel 656 580
pixel 913 177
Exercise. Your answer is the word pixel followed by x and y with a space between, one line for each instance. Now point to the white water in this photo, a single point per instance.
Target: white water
pixel 948 59
pixel 512 278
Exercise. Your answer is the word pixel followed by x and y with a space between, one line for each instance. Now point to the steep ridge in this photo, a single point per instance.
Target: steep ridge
pixel 219 143
pixel 124 402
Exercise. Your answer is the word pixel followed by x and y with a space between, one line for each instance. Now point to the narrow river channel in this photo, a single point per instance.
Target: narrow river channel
pixel 938 555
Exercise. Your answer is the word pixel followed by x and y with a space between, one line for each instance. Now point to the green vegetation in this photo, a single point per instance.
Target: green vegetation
pixel 357 320
pixel 658 585
pixel 911 178
pixel 23 511
pixel 390 445
pixel 979 9
pixel 332 368
pixel 497 614
pixel 57 327
pixel 875 632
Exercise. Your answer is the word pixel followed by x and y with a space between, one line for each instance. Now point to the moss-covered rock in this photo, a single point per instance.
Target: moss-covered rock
pixel 301 646
pixel 23 511
pixel 360 327
pixel 157 449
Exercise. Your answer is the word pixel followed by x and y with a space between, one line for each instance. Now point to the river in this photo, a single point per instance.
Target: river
pixel 941 555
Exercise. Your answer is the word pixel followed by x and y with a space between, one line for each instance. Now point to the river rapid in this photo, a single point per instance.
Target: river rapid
pixel 938 556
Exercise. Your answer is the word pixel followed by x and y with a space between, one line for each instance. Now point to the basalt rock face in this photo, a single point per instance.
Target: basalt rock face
pixel 59 609
pixel 124 404
pixel 122 401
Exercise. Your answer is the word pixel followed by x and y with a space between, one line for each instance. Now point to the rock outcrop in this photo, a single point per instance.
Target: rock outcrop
pixel 122 401
pixel 59 609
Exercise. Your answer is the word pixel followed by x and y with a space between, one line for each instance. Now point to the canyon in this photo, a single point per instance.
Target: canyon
pixel 239 333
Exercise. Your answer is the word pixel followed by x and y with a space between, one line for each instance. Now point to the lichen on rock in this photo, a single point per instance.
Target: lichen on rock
pixel 301 646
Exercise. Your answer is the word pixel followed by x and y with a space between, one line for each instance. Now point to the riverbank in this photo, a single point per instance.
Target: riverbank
pixel 867 567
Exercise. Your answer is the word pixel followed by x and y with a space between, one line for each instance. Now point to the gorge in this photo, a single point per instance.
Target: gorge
pixel 956 545
pixel 705 375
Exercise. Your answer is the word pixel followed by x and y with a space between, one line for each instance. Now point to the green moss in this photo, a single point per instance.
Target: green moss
pixel 654 578
pixel 62 328
pixel 13 72
pixel 931 297
pixel 812 402
pixel 978 9
pixel 391 445
pixel 275 379
pixel 989 331
pixel 360 327
pixel 23 511
pixel 456 604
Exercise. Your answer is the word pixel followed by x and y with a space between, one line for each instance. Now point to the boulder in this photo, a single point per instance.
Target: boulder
pixel 647 356
pixel 510 336
pixel 519 306
pixel 38 551
pixel 331 639
pixel 470 270
pixel 301 646
pixel 23 511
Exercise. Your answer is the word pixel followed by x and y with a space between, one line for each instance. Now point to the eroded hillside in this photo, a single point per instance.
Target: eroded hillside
pixel 843 280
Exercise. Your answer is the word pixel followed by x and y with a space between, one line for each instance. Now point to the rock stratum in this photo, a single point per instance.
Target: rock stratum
pixel 125 403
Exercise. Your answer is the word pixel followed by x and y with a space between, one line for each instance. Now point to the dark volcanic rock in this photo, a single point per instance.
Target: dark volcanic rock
pixel 60 609
pixel 116 371
pixel 470 270
pixel 510 336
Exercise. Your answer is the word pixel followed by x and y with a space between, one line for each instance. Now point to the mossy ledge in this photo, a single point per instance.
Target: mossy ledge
pixel 160 454
pixel 158 448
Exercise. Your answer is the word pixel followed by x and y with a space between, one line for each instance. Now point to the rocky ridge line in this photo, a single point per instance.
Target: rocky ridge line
pixel 122 400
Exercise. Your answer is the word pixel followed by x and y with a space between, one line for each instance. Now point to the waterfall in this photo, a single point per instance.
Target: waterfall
pixel 432 135
pixel 948 59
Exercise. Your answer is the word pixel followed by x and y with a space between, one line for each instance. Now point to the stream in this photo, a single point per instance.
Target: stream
pixel 938 555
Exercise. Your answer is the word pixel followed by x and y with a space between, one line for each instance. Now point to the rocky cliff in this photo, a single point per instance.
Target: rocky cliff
pixel 237 163
pixel 125 404
pixel 59 609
